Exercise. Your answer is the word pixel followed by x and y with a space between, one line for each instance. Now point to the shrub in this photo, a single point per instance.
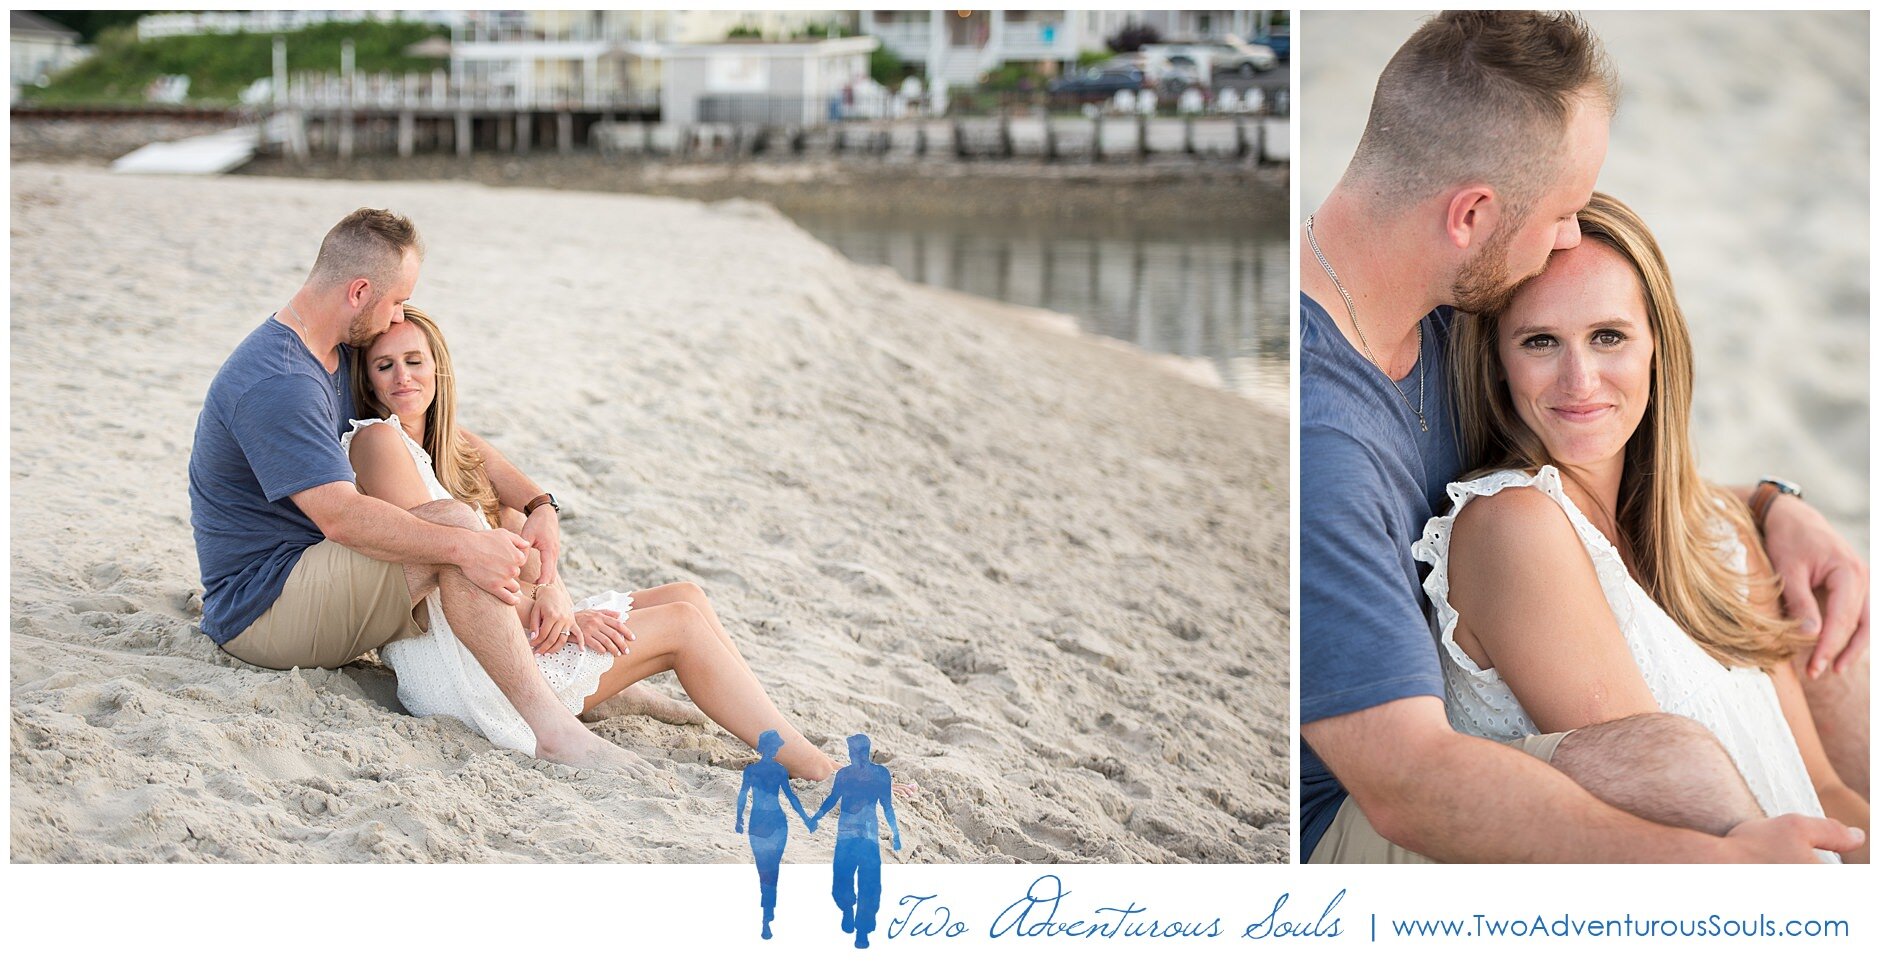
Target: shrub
pixel 1132 36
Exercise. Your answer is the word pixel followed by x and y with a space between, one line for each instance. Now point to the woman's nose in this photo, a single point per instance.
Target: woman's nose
pixel 1578 374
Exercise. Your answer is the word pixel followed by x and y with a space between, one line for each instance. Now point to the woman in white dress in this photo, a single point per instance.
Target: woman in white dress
pixel 1586 573
pixel 414 453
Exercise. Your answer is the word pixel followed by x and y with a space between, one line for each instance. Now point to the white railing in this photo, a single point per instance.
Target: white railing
pixel 311 91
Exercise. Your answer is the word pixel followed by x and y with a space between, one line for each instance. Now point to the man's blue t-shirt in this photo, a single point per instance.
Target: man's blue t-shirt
pixel 1369 478
pixel 270 427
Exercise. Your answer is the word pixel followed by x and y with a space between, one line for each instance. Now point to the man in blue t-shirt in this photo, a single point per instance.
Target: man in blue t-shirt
pixel 301 569
pixel 1486 134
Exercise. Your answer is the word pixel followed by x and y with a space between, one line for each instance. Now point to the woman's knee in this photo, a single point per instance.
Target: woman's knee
pixel 683 620
pixel 450 512
pixel 689 593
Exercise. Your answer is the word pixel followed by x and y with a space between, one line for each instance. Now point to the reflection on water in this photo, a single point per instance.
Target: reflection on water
pixel 1212 294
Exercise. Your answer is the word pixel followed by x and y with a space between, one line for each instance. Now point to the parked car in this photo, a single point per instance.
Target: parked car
pixel 1178 74
pixel 1241 58
pixel 1278 40
pixel 1100 82
pixel 1218 56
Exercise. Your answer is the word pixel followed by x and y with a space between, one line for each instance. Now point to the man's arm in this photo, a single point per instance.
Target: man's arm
pixel 1457 798
pixel 514 489
pixel 1809 555
pixel 489 559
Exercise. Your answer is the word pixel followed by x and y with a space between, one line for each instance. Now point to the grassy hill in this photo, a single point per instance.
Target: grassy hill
pixel 219 66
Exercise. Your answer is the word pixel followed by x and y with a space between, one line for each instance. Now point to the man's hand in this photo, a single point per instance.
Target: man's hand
pixel 491 561
pixel 543 531
pixel 1790 838
pixel 1808 555
pixel 553 621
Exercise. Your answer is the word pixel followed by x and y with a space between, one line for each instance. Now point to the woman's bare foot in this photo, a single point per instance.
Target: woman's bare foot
pixel 803 760
pixel 644 701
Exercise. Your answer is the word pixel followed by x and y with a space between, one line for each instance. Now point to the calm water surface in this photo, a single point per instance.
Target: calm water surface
pixel 1212 294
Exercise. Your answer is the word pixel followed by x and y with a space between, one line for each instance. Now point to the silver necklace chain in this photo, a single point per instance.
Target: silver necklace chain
pixel 302 330
pixel 1352 312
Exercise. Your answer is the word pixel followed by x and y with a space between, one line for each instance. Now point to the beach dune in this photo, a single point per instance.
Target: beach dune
pixel 1048 577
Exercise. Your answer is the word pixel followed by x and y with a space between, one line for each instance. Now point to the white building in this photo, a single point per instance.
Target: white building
pixel 601 58
pixel 764 83
pixel 960 46
pixel 38 49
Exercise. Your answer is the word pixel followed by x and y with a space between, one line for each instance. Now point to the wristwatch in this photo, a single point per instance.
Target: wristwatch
pixel 538 501
pixel 1767 490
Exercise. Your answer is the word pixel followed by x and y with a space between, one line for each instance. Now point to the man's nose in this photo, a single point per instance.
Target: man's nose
pixel 1568 236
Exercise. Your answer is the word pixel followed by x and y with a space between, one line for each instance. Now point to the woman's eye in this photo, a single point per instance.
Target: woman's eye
pixel 1608 338
pixel 383 367
pixel 1538 341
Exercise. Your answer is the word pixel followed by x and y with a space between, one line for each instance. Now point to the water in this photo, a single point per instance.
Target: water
pixel 1212 294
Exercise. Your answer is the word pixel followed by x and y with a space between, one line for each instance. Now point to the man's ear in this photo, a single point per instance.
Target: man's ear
pixel 1471 215
pixel 357 291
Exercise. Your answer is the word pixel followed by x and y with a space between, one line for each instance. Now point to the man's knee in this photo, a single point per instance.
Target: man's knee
pixel 1662 767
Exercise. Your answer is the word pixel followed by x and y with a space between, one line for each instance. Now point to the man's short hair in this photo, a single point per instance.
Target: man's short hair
pixel 368 243
pixel 1481 96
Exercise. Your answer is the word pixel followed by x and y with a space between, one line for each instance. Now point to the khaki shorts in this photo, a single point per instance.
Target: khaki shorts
pixel 1352 839
pixel 337 606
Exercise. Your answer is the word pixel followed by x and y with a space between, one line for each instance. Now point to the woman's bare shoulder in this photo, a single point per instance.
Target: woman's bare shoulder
pixel 379 446
pixel 1514 520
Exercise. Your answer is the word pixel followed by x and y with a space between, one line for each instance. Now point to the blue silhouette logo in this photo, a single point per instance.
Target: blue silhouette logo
pixel 860 788
pixel 770 830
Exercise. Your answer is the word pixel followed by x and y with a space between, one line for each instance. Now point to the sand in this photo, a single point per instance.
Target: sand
pixel 1742 139
pixel 1046 575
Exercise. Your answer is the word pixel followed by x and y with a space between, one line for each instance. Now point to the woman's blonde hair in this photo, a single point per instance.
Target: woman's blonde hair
pixel 1669 518
pixel 458 465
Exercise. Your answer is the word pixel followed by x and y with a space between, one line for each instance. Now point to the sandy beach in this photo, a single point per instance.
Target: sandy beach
pixel 1046 574
pixel 1743 140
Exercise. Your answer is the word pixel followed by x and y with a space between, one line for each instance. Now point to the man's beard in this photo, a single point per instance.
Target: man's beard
pixel 357 333
pixel 1482 286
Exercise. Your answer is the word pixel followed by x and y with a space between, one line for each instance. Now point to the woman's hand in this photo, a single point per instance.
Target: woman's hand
pixel 606 632
pixel 553 621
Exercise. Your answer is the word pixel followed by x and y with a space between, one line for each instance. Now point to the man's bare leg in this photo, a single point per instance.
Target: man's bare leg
pixel 1662 768
pixel 1838 702
pixel 493 634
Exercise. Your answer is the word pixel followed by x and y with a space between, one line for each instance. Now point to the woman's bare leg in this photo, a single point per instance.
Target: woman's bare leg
pixel 689 593
pixel 678 636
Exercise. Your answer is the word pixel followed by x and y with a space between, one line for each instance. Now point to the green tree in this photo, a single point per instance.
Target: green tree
pixel 886 67
pixel 219 66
